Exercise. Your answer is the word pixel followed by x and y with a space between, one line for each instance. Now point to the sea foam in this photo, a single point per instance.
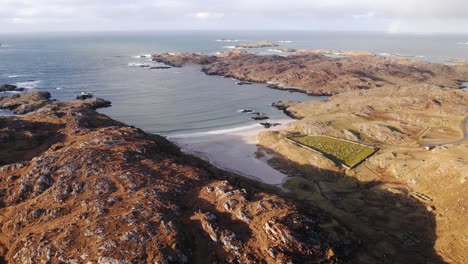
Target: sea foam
pixel 227 40
pixel 142 56
pixel 275 50
pixel 139 64
pixel 217 132
pixel 16 76
pixel 28 84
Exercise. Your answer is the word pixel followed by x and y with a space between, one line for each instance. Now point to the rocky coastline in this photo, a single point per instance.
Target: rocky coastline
pixel 315 73
pixel 78 186
pixel 285 107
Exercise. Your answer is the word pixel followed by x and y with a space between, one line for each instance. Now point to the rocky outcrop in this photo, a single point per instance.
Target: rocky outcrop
pixel 29 102
pixel 84 96
pixel 315 73
pixel 181 59
pixel 257 45
pixel 160 68
pixel 24 103
pixel 79 187
pixel 285 107
pixel 10 88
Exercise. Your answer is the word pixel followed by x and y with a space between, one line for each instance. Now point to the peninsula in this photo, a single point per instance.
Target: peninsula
pixel 316 73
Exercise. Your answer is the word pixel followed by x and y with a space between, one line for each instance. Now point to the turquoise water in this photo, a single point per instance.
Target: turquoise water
pixel 179 100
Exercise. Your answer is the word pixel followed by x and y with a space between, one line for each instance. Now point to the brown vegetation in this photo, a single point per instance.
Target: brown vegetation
pixel 79 187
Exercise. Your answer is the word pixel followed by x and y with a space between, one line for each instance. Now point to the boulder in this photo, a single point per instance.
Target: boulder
pixel 84 96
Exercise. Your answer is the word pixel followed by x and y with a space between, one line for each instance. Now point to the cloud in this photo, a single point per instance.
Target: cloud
pixel 19 20
pixel 368 15
pixel 208 15
pixel 67 15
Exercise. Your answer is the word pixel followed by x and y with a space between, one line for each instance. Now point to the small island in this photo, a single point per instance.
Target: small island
pixel 257 45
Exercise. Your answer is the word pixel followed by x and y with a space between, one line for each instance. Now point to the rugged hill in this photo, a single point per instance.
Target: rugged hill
pixel 313 72
pixel 411 201
pixel 79 187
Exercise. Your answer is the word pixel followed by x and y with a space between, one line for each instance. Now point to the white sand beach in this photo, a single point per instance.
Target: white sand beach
pixel 233 150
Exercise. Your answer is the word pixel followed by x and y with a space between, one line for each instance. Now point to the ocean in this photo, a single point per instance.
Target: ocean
pixel 181 100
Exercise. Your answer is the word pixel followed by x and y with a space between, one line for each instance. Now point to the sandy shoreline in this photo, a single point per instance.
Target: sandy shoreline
pixel 233 151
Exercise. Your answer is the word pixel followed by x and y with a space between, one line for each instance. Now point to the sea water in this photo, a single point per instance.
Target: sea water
pixel 181 100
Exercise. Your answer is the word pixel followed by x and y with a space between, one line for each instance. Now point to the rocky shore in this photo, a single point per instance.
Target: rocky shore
pixel 10 88
pixel 315 73
pixel 79 187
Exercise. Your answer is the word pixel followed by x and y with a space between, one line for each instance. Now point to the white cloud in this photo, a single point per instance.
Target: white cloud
pixel 367 15
pixel 208 15
pixel 20 20
pixel 446 15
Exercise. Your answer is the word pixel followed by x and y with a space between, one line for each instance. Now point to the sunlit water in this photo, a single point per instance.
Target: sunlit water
pixel 180 100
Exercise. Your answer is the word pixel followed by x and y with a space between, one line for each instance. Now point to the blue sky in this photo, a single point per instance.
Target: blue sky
pixel 390 16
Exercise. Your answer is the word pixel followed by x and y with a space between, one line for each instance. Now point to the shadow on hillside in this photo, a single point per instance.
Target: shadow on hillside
pixel 393 226
pixel 23 140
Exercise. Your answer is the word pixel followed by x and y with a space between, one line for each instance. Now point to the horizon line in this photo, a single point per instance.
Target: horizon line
pixel 230 30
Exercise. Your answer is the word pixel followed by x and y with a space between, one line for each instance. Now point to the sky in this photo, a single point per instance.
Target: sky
pixel 389 16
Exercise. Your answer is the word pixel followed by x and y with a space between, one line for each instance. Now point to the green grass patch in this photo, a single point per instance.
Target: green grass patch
pixel 344 152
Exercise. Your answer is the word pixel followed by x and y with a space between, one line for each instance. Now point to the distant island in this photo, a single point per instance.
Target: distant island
pixel 257 45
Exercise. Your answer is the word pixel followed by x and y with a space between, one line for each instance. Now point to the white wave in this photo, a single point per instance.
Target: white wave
pixel 385 54
pixel 142 56
pixel 28 84
pixel 59 88
pixel 217 132
pixel 139 64
pixel 17 75
pixel 275 50
pixel 227 40
pixel 462 43
pixel 229 47
pixel 285 41
pixel 10 92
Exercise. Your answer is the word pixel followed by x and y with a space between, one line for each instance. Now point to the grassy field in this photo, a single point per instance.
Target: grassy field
pixel 344 152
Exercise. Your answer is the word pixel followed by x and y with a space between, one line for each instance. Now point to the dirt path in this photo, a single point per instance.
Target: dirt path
pixel 464 128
